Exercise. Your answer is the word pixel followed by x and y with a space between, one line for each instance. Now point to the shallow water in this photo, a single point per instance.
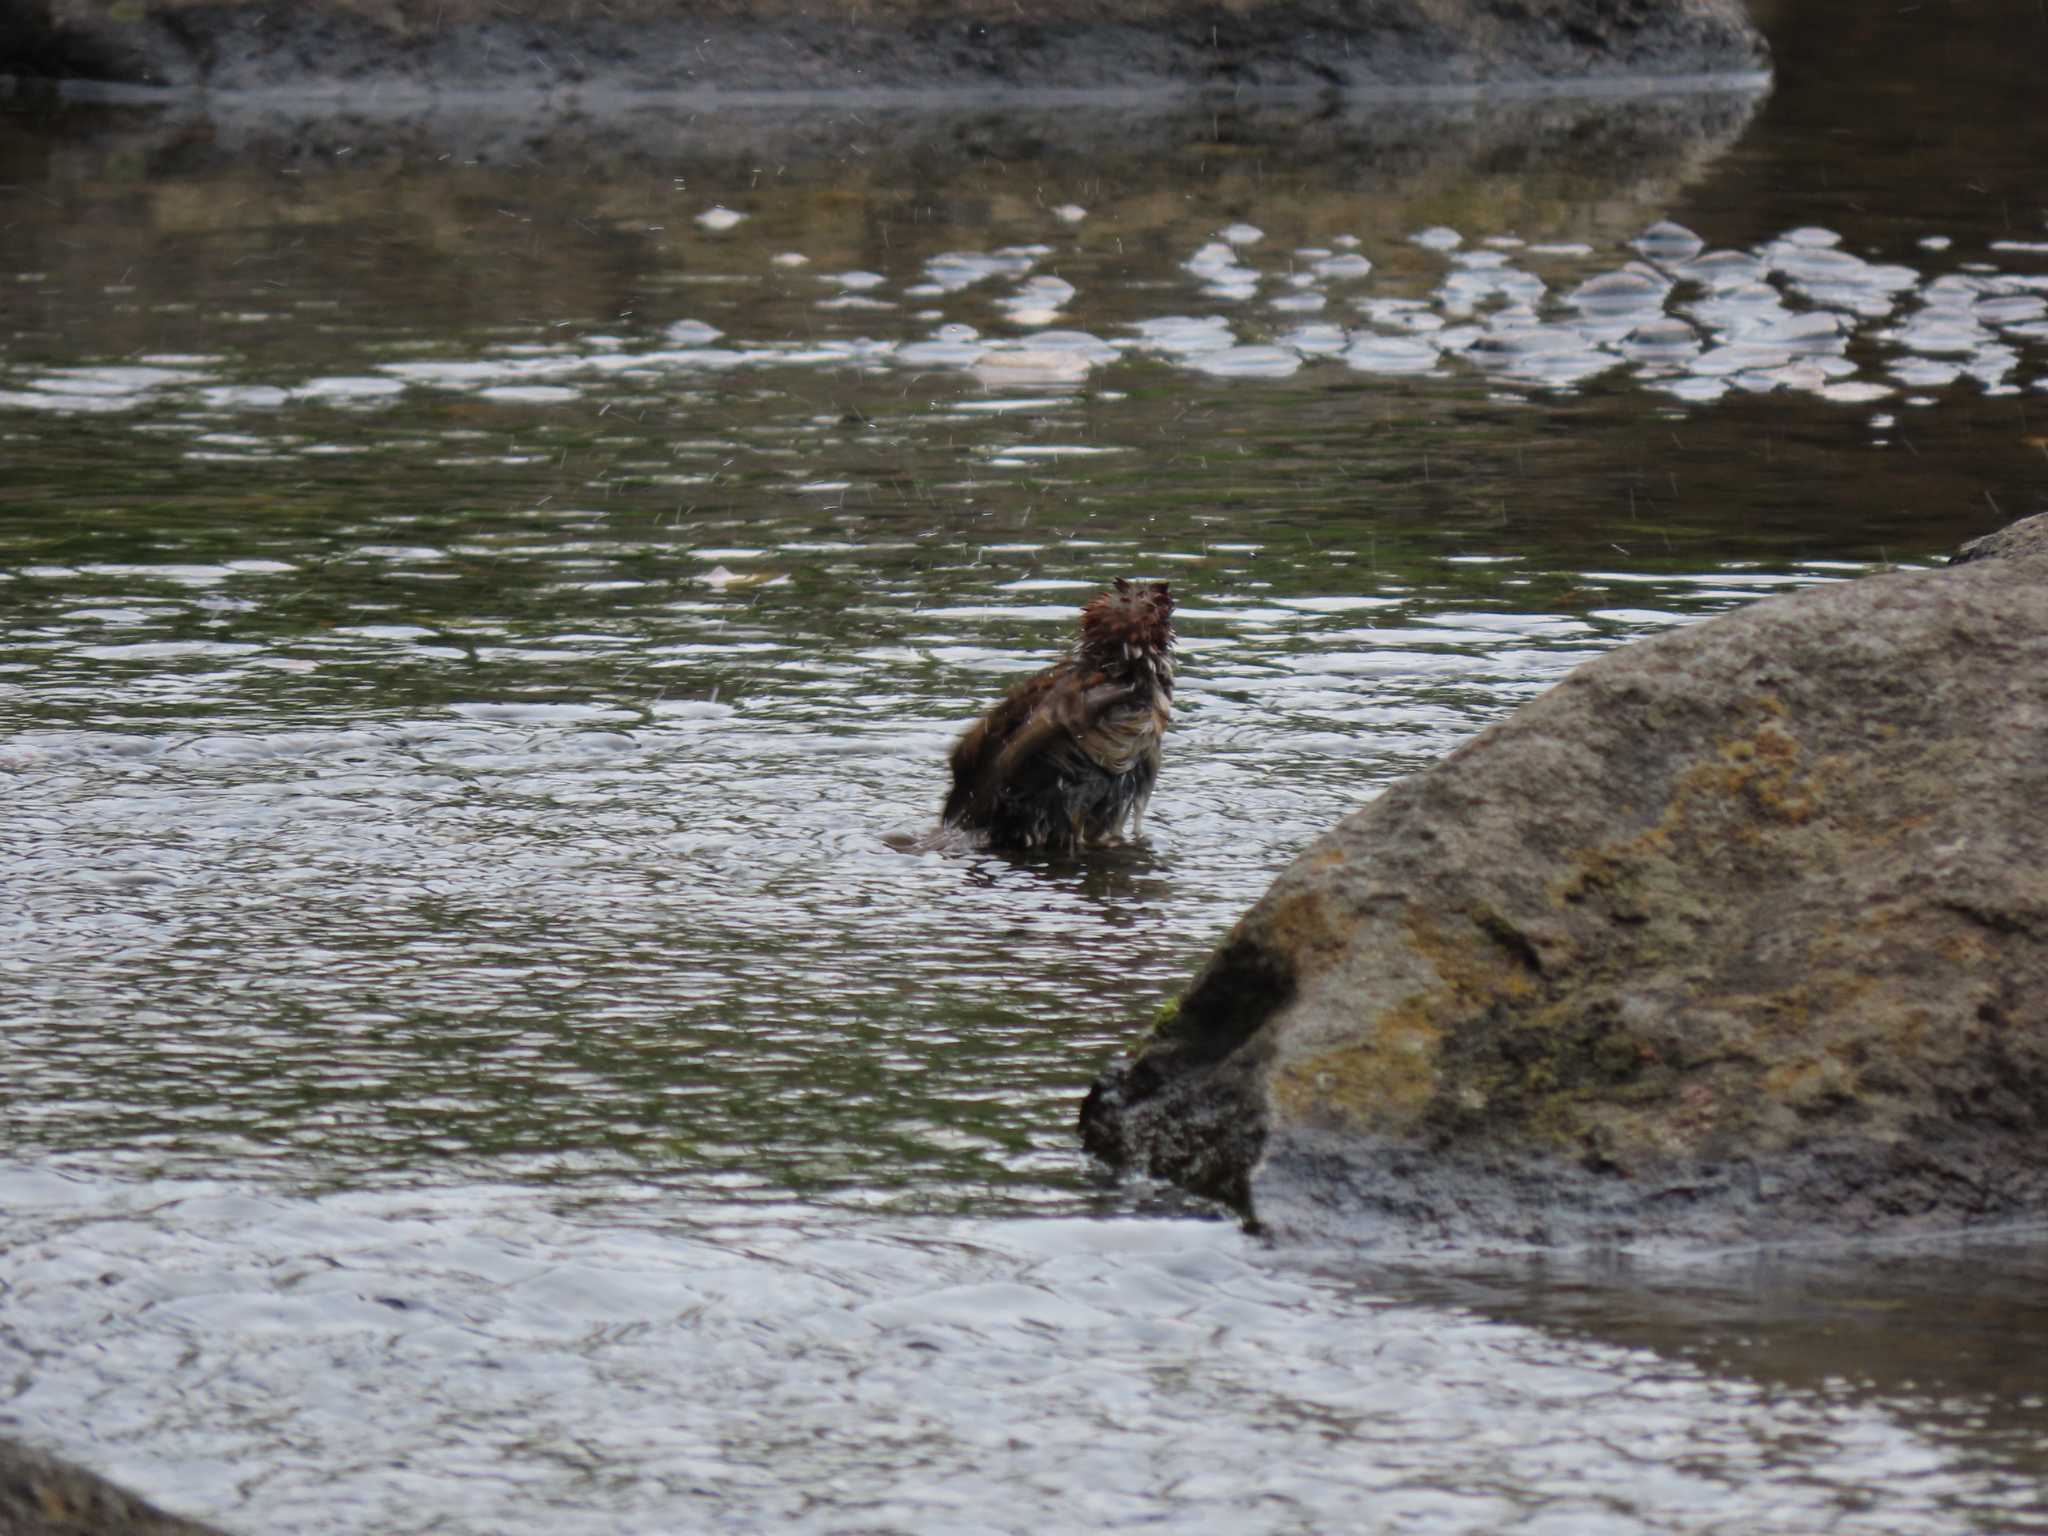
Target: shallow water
pixel 495 1357
pixel 476 594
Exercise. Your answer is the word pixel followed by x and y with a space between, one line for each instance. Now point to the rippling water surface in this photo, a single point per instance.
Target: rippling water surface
pixel 476 596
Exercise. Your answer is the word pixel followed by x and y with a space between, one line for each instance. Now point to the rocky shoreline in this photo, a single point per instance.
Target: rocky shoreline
pixel 918 46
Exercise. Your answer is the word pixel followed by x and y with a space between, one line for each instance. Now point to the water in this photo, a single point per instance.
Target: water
pixel 490 1358
pixel 477 593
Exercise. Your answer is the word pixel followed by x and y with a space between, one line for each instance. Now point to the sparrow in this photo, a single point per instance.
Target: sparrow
pixel 1068 759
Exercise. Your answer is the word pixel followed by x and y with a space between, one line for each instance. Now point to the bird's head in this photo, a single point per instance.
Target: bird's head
pixel 1129 620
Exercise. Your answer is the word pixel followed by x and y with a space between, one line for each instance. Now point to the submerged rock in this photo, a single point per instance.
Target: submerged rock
pixel 44 1495
pixel 1737 933
pixel 919 45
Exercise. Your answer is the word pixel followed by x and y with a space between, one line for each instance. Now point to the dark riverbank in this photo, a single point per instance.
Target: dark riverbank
pixel 919 45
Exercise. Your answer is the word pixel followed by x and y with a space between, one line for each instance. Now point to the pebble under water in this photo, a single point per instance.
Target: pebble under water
pixel 476 602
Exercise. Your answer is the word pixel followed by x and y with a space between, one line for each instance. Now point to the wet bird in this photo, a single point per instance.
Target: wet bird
pixel 1069 758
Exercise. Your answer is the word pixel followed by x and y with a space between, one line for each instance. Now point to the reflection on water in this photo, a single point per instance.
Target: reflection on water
pixel 475 602
pixel 1678 319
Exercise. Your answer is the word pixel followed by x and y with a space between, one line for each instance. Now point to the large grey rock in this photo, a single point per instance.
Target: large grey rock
pixel 44 1495
pixel 923 45
pixel 1739 932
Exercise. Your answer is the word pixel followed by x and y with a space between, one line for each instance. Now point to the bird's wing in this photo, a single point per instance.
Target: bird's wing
pixel 1031 721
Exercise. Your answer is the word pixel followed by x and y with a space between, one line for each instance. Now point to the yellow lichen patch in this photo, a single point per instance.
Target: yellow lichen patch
pixel 1766 771
pixel 1388 1080
pixel 1810 1083
pixel 1763 772
pixel 1303 926
pixel 1775 745
pixel 1967 947
pixel 1762 769
pixel 1380 1084
pixel 1477 969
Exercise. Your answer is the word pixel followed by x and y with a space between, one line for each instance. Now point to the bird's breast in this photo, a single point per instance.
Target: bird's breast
pixel 1124 737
